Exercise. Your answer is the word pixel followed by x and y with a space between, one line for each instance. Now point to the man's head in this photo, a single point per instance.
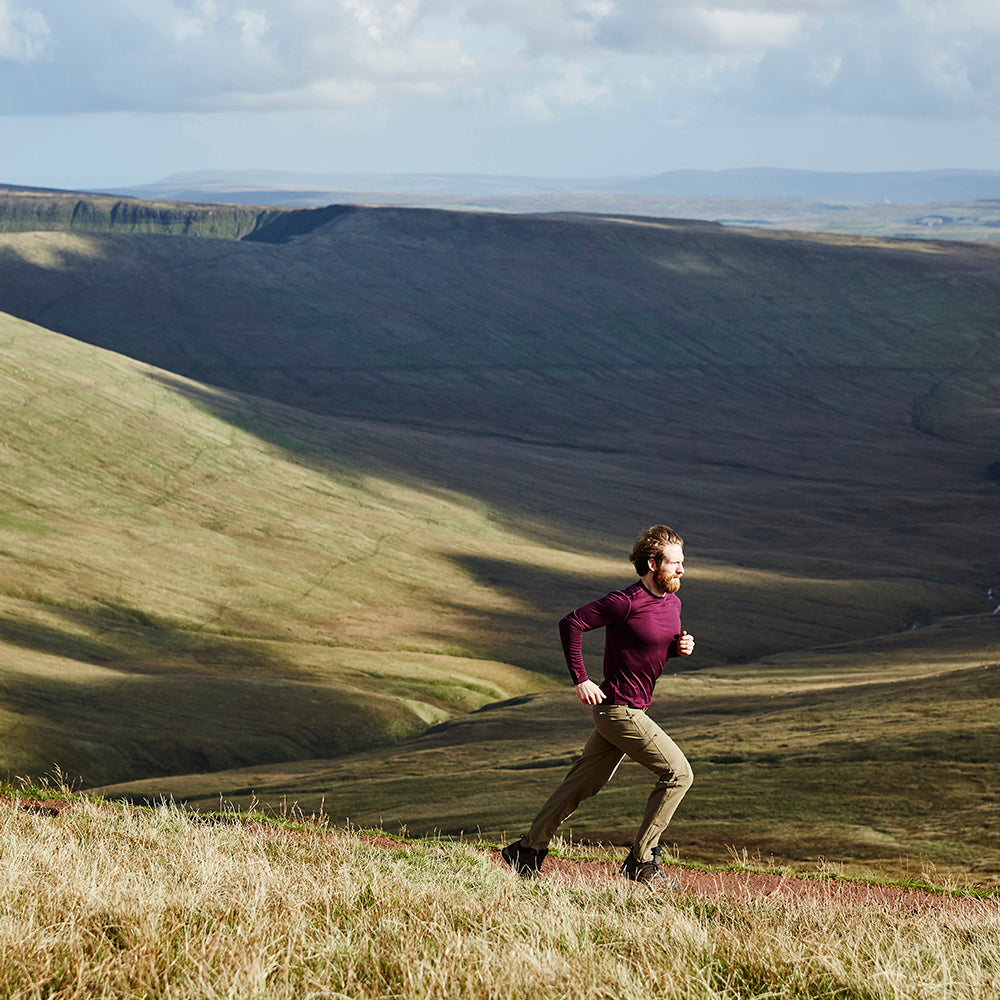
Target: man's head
pixel 651 547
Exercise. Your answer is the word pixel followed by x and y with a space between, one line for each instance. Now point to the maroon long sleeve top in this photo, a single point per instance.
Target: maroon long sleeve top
pixel 640 635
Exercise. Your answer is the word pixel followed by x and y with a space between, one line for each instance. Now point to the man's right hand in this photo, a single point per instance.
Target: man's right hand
pixel 589 693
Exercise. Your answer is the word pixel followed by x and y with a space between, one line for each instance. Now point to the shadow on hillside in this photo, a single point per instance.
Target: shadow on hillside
pixel 130 640
pixel 111 729
pixel 493 471
pixel 522 627
pixel 546 590
pixel 814 589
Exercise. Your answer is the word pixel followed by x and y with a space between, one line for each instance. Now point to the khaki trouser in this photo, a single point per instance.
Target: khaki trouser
pixel 619 732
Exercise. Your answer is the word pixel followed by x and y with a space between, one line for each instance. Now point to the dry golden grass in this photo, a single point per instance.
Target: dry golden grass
pixel 110 902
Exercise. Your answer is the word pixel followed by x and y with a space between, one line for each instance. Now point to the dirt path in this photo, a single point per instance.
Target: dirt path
pixel 744 885
pixel 749 885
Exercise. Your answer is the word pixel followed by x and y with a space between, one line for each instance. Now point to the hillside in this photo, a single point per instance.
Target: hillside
pixel 300 496
pixel 179 594
pixel 826 380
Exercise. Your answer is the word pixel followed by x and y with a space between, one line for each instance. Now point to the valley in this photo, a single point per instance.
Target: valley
pixel 291 518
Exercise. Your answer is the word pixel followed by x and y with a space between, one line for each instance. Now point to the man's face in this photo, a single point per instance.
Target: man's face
pixel 667 575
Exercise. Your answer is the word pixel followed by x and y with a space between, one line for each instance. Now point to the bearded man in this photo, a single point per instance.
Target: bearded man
pixel 642 630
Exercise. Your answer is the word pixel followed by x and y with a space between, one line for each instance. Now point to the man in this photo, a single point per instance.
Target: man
pixel 642 630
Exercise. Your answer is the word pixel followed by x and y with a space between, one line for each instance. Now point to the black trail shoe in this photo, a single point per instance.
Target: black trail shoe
pixel 649 873
pixel 526 861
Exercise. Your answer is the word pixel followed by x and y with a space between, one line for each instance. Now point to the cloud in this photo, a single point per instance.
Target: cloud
pixel 184 23
pixel 573 89
pixel 254 27
pixel 24 33
pixel 537 59
pixel 381 20
pixel 906 59
pixel 735 30
pixel 641 26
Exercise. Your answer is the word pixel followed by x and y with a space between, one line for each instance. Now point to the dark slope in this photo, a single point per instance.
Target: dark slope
pixel 833 391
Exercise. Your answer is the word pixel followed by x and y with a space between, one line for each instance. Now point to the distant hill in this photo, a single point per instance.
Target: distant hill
pixel 944 204
pixel 906 187
pixel 902 187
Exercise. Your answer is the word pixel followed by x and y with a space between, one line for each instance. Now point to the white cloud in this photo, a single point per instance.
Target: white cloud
pixel 947 15
pixel 573 89
pixel 254 26
pixel 543 58
pixel 734 29
pixel 690 26
pixel 324 94
pixel 907 58
pixel 382 20
pixel 190 22
pixel 434 63
pixel 24 33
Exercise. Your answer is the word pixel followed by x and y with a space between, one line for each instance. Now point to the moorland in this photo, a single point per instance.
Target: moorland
pixel 293 500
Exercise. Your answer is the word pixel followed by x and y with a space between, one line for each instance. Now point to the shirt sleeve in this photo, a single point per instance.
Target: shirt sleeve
pixel 613 607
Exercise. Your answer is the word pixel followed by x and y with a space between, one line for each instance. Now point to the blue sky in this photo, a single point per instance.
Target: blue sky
pixel 108 92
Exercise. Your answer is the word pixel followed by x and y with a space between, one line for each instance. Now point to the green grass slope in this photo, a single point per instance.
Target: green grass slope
pixel 178 594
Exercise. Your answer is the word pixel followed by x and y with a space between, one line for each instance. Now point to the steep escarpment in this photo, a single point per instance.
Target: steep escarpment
pixel 35 210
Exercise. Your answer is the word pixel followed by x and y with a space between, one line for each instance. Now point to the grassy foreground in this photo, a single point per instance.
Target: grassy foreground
pixel 101 901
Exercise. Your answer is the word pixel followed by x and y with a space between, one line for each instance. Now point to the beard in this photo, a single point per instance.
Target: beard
pixel 668 584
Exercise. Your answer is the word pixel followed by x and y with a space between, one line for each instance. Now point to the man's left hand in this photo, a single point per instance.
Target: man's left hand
pixel 685 644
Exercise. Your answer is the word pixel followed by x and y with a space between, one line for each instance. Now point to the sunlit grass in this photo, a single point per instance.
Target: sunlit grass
pixel 109 901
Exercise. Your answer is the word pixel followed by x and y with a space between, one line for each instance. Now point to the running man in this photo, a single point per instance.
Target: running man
pixel 642 630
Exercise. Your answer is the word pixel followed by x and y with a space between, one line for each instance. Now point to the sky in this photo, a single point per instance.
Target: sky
pixel 115 92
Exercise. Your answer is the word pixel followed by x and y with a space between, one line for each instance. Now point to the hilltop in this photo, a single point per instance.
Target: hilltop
pixel 290 498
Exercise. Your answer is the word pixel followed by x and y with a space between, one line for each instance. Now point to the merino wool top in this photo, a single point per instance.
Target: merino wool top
pixel 640 635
